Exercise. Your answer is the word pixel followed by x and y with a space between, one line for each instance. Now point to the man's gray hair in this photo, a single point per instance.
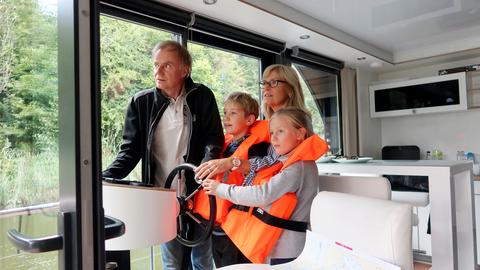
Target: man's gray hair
pixel 175 46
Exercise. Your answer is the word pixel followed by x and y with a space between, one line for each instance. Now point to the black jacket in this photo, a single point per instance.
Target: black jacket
pixel 145 110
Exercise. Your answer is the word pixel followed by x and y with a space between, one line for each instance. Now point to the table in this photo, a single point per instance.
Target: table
pixel 451 203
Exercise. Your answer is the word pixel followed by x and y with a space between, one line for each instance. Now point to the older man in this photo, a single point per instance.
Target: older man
pixel 175 122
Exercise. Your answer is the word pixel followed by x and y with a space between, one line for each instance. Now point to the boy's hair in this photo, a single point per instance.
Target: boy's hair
pixel 297 117
pixel 295 95
pixel 246 101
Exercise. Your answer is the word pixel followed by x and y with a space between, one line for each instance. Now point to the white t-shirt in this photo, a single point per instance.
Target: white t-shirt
pixel 170 140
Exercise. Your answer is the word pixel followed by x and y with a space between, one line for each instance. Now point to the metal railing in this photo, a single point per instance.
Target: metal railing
pixel 28 210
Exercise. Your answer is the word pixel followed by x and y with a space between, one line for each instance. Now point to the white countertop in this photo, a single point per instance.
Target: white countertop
pixel 400 167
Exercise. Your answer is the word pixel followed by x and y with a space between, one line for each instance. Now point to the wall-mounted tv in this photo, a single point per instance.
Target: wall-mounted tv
pixel 425 95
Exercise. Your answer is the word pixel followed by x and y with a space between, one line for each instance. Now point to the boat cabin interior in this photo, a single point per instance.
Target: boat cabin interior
pixel 392 87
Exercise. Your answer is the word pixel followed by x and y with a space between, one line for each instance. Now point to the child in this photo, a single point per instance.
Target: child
pixel 244 139
pixel 272 214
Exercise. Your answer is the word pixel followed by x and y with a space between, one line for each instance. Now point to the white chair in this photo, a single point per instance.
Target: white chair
pixel 377 227
pixel 368 186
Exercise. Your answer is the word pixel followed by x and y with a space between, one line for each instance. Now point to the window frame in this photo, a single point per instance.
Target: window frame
pixel 208 32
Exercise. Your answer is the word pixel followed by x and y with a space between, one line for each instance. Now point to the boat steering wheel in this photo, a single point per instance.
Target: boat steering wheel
pixel 186 214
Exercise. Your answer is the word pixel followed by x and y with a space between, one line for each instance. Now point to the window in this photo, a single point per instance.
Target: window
pixel 29 157
pixel 320 89
pixel 224 72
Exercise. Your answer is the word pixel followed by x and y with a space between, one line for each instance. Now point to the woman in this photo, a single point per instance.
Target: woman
pixel 280 88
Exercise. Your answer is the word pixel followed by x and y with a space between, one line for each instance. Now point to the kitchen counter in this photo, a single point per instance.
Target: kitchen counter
pixel 451 202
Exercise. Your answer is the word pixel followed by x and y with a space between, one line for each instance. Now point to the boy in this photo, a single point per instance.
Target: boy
pixel 245 138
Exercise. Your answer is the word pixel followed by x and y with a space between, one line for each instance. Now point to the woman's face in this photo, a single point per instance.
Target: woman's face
pixel 275 97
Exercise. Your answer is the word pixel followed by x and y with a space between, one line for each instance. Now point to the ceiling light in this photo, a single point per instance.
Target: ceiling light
pixel 376 64
pixel 209 2
pixel 304 36
pixel 361 58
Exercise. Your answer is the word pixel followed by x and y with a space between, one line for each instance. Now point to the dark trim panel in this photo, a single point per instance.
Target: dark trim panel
pixel 151 9
pixel 219 29
pixel 299 53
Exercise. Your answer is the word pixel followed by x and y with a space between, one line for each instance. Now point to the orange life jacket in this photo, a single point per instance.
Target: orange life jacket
pixel 253 237
pixel 259 132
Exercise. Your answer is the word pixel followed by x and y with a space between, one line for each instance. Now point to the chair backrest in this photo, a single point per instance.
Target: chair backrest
pixel 374 187
pixel 377 227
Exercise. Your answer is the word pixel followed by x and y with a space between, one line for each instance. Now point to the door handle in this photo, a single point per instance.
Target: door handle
pixel 35 245
pixel 113 228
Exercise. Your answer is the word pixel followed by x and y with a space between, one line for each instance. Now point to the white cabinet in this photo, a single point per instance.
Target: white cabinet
pixel 476 190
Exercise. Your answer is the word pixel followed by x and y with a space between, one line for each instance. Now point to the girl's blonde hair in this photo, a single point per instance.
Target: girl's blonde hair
pixel 295 94
pixel 297 117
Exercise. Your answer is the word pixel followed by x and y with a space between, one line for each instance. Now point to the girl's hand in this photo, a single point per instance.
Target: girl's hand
pixel 210 186
pixel 213 167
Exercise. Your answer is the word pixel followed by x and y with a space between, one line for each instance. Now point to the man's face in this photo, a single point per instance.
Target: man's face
pixel 169 71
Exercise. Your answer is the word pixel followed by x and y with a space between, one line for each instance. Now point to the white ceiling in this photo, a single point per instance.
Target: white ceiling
pixel 408 29
pixel 388 33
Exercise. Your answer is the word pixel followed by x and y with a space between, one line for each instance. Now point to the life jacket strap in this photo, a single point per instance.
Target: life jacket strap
pixel 242 208
pixel 265 217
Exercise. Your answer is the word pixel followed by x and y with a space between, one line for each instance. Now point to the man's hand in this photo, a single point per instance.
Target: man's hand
pixel 213 167
pixel 210 186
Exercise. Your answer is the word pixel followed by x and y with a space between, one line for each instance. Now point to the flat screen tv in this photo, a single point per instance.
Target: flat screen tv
pixel 425 95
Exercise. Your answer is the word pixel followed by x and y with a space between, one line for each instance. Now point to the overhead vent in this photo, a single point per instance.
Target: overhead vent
pixel 305 55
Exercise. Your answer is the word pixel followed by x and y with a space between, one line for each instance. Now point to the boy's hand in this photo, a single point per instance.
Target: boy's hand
pixel 213 167
pixel 210 186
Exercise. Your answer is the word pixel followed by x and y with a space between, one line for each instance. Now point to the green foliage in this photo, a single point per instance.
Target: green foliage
pixel 224 72
pixel 29 101
pixel 6 43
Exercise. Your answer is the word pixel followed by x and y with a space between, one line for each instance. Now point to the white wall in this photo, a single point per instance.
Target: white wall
pixel 369 129
pixel 447 132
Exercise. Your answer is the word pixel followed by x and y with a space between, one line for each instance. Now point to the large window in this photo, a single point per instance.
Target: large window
pixel 29 163
pixel 224 72
pixel 320 89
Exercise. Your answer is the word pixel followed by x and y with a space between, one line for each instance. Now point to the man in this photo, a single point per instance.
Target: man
pixel 175 122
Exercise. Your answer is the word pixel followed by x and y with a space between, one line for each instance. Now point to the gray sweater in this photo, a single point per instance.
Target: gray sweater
pixel 301 178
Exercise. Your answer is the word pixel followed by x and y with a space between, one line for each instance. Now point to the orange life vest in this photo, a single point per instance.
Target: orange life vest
pixel 259 132
pixel 253 237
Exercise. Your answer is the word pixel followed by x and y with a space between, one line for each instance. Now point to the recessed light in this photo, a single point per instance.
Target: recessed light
pixel 361 58
pixel 304 36
pixel 376 64
pixel 209 2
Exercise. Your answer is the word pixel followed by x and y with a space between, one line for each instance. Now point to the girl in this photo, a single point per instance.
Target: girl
pixel 272 210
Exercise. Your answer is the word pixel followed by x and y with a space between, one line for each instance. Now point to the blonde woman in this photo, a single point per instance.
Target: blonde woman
pixel 280 89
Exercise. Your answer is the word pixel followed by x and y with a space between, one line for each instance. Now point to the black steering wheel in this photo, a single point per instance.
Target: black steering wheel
pixel 186 218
